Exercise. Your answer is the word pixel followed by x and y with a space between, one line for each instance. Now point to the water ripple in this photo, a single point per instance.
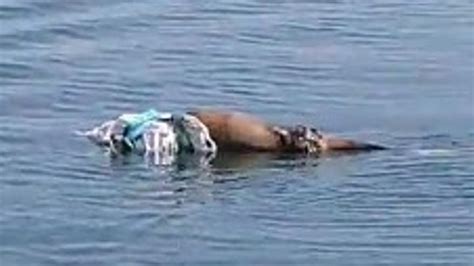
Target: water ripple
pixel 396 72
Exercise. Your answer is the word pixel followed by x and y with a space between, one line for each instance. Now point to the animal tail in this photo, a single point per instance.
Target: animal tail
pixel 338 144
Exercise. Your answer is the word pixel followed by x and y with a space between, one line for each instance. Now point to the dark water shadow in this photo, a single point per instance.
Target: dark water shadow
pixel 231 162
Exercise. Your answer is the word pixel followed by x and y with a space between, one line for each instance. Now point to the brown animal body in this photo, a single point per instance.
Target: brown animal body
pixel 233 131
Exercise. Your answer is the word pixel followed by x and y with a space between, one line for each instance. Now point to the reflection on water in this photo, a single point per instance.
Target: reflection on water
pixel 397 73
pixel 242 161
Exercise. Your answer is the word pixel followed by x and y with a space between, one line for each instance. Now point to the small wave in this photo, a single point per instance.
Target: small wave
pixel 435 152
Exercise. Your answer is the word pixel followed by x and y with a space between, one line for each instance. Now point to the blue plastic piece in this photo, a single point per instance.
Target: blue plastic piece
pixel 137 123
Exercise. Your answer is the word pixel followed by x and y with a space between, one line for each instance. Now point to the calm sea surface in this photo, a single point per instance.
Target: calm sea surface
pixel 397 72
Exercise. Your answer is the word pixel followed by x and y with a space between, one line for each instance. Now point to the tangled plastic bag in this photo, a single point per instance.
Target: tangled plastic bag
pixel 160 137
pixel 159 142
pixel 195 135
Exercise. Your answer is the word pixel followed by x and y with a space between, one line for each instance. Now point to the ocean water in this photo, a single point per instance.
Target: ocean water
pixel 396 72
